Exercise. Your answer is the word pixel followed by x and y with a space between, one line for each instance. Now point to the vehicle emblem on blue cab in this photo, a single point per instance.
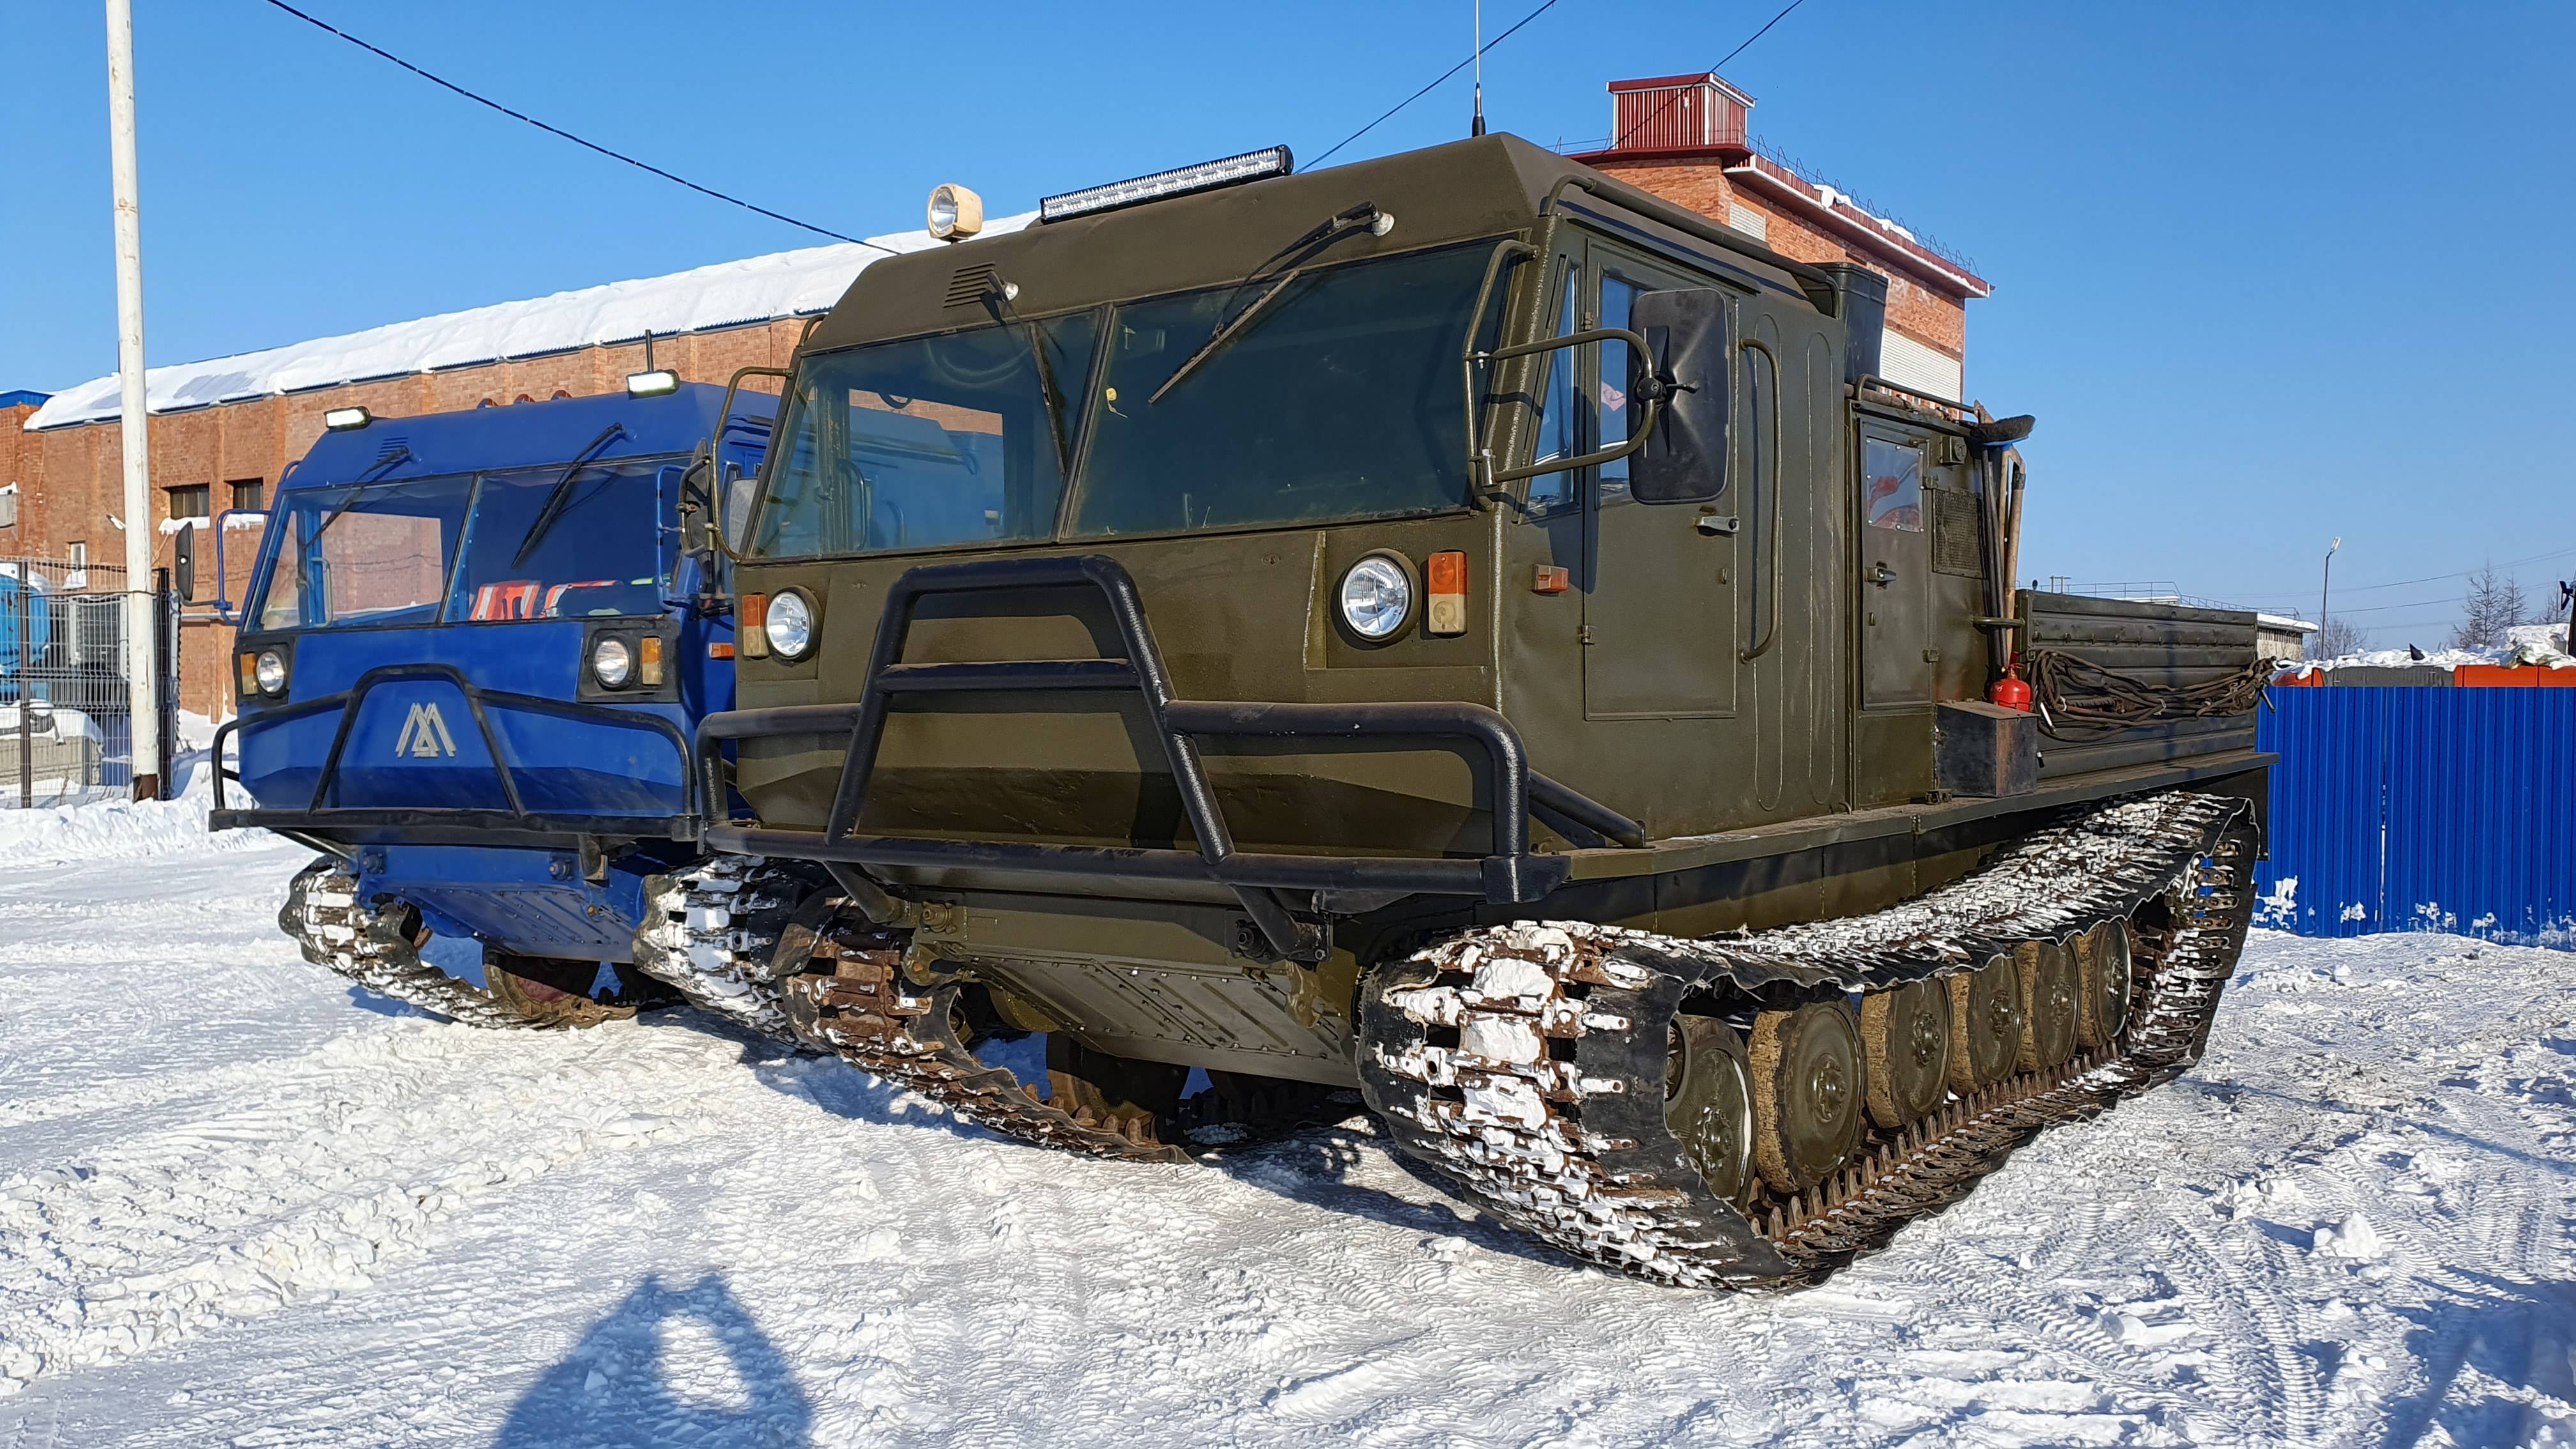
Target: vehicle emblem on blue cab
pixel 424 734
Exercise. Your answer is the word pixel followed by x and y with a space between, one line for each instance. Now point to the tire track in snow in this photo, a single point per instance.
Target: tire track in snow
pixel 179 1231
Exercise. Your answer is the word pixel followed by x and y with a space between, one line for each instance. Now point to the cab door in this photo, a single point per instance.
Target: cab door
pixel 1659 614
pixel 1895 561
pixel 1713 631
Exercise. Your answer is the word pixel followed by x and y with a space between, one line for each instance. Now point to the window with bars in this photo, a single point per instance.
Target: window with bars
pixel 249 494
pixel 191 500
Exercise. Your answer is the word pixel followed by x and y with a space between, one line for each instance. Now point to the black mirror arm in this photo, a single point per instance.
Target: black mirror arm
pixel 1478 442
pixel 715 444
pixel 1637 436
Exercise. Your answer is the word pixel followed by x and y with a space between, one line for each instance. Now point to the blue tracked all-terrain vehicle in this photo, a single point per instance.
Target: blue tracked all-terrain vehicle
pixel 473 654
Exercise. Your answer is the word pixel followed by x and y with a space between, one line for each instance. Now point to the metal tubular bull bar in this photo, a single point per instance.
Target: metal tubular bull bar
pixel 1509 873
pixel 514 824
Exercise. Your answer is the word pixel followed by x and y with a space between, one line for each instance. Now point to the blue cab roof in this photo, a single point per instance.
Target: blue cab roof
pixel 533 434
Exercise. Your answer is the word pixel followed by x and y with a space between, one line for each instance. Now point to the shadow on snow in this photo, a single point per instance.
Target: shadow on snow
pixel 666 1366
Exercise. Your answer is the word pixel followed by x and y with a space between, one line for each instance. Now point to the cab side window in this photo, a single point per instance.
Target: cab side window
pixel 1891 485
pixel 1556 421
pixel 1610 388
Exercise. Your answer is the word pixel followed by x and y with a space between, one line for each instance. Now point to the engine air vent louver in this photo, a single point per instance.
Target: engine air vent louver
pixel 970 285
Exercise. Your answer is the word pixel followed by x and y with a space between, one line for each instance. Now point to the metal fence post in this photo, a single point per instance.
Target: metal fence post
pixel 26 712
pixel 165 679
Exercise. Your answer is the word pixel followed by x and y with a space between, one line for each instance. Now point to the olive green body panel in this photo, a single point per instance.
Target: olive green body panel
pixel 1754 678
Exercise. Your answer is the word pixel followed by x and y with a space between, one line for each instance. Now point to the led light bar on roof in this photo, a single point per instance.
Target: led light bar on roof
pixel 1179 181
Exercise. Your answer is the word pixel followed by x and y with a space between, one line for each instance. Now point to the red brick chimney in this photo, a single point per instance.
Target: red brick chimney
pixel 1676 115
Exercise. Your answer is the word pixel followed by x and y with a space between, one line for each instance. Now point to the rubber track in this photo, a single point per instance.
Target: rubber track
pixel 857 1002
pixel 1526 1062
pixel 711 933
pixel 332 929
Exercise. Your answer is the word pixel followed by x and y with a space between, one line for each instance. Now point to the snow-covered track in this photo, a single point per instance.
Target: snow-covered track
pixel 336 930
pixel 711 932
pixel 1528 1062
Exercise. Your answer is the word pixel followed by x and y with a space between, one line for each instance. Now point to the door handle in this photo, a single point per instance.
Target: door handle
pixel 1881 575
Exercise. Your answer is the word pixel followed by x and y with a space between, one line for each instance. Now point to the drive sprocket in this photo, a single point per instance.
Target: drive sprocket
pixel 712 932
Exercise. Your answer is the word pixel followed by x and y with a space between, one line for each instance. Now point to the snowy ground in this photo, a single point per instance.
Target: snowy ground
pixel 238 1206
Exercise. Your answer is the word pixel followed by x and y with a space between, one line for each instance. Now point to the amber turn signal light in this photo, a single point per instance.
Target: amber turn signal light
pixel 750 625
pixel 648 660
pixel 719 651
pixel 1445 580
pixel 1551 579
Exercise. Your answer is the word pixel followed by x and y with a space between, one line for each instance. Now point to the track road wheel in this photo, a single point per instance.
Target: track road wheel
pixel 1708 1102
pixel 1138 1100
pixel 1807 1091
pixel 1985 1025
pixel 2051 998
pixel 2102 955
pixel 1905 1039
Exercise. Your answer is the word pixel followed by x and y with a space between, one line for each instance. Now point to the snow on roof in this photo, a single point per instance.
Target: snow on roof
pixel 727 294
pixel 2544 645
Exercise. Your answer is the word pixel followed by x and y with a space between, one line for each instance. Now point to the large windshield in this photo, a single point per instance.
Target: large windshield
pixel 1336 398
pixel 374 554
pixel 959 438
pixel 536 543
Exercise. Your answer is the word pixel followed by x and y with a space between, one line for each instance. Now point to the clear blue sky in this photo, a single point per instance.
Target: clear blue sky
pixel 2267 273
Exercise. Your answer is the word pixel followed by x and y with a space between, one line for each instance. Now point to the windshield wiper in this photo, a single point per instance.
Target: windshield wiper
pixel 381 466
pixel 1241 323
pixel 1364 217
pixel 561 498
pixel 1049 394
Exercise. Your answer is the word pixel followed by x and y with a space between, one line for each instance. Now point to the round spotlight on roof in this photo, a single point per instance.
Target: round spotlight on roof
pixel 955 212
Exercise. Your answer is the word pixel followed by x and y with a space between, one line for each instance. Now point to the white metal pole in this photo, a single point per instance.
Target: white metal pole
pixel 143 719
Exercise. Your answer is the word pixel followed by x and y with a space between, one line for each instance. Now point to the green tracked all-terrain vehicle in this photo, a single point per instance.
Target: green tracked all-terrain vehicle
pixel 1460 630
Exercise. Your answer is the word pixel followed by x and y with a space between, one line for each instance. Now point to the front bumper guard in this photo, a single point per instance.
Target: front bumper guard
pixel 1508 873
pixel 513 825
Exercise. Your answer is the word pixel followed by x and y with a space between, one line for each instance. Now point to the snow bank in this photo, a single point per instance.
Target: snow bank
pixel 2544 645
pixel 116 829
pixel 755 289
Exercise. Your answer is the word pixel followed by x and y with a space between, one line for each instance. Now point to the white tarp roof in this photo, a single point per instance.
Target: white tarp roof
pixel 755 289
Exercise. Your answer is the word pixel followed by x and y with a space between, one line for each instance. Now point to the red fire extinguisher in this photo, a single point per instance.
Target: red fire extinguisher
pixel 2011 691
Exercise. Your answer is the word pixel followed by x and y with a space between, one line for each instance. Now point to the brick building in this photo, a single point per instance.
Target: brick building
pixel 1687 138
pixel 223 430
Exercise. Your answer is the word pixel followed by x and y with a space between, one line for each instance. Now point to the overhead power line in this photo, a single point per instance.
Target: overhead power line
pixel 1649 118
pixel 2512 563
pixel 483 100
pixel 1426 90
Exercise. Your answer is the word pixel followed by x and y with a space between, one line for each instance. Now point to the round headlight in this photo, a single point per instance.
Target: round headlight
pixel 790 625
pixel 269 672
pixel 612 662
pixel 1377 597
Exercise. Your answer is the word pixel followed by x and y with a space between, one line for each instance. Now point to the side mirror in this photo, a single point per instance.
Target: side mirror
pixel 224 609
pixel 1684 451
pixel 183 562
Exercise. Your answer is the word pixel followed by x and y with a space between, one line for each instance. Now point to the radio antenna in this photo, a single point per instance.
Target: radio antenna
pixel 1478 127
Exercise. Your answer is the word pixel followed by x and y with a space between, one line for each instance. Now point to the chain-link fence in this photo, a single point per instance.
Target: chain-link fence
pixel 66 697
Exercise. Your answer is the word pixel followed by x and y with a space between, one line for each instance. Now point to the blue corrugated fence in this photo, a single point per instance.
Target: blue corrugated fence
pixel 2447 809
